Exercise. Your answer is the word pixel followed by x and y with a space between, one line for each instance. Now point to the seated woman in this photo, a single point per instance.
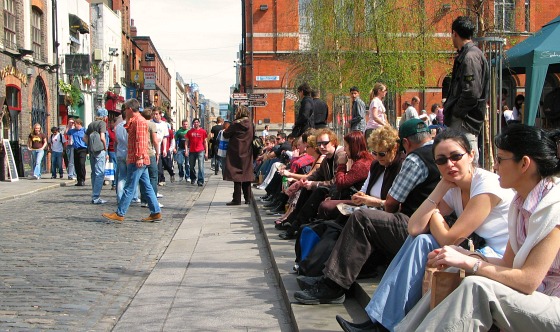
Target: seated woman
pixel 382 172
pixel 481 206
pixel 349 170
pixel 519 292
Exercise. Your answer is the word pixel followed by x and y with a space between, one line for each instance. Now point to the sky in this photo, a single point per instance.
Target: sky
pixel 201 37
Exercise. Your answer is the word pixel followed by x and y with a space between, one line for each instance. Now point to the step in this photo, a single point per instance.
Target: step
pixel 308 317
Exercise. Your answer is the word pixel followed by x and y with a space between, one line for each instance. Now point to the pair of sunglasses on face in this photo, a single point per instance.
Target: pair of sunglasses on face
pixel 380 154
pixel 454 157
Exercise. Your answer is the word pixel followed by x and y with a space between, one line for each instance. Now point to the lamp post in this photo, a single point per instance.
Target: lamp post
pixel 117 89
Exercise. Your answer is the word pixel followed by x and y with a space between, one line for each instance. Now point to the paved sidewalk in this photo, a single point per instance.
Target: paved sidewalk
pixel 216 274
pixel 24 186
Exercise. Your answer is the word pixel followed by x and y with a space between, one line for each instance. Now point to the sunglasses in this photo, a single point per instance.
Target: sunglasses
pixel 453 157
pixel 381 154
pixel 500 159
pixel 324 143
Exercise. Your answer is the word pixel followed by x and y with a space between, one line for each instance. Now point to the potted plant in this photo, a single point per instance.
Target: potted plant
pixel 86 80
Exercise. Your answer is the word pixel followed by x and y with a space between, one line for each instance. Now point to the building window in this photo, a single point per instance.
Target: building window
pixel 527 15
pixel 504 15
pixel 13 98
pixel 9 24
pixel 36 35
pixel 305 21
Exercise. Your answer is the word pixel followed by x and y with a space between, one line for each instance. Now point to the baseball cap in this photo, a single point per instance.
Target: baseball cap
pixel 412 127
pixel 102 112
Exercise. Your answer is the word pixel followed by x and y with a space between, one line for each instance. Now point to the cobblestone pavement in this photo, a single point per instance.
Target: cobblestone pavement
pixel 63 267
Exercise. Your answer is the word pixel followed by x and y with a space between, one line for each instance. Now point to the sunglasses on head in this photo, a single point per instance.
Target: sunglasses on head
pixel 454 157
pixel 324 143
pixel 381 154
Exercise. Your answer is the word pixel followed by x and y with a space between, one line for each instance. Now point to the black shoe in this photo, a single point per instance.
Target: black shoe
pixel 279 211
pixel 305 282
pixel 271 204
pixel 287 235
pixel 233 203
pixel 79 184
pixel 283 226
pixel 321 293
pixel 359 327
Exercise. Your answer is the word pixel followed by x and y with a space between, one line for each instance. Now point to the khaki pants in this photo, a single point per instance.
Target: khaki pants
pixel 480 302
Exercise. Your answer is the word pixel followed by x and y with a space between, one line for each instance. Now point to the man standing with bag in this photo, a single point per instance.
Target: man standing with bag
pixel 97 147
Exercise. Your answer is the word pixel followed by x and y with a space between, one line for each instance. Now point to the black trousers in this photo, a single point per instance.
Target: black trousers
pixel 241 186
pixel 80 164
pixel 307 207
pixel 275 185
pixel 165 163
pixel 367 232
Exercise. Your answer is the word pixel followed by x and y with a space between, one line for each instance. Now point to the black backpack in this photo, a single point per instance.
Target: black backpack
pixel 327 233
pixel 257 146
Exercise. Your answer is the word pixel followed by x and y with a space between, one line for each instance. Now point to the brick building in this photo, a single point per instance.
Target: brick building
pixel 274 29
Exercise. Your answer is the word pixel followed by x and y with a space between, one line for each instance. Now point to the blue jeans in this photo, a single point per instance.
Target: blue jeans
pixel 120 177
pixel 113 159
pixel 401 286
pixel 135 175
pixel 153 174
pixel 97 162
pixel 193 158
pixel 37 157
pixel 71 168
pixel 56 164
pixel 183 164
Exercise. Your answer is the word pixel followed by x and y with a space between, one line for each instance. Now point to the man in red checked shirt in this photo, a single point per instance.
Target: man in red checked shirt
pixel 137 161
pixel 197 141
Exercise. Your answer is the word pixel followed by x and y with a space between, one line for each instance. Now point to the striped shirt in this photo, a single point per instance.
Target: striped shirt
pixel 551 282
pixel 137 128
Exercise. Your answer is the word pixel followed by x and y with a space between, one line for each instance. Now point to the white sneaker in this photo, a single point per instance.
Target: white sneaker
pixel 160 205
pixel 136 200
pixel 144 205
pixel 98 201
pixel 159 195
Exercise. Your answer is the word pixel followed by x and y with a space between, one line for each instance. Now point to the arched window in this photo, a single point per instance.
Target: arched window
pixel 13 99
pixel 39 106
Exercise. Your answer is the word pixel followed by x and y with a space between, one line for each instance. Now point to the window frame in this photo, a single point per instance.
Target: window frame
pixel 504 15
pixel 10 25
pixel 37 32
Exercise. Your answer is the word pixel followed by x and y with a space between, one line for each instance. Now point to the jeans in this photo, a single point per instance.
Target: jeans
pixel 218 164
pixel 193 158
pixel 401 286
pixel 153 174
pixel 97 162
pixel 37 157
pixel 70 165
pixel 134 176
pixel 56 164
pixel 120 177
pixel 113 159
pixel 183 164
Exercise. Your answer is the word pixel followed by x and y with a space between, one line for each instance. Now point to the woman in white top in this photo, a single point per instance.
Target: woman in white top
pixel 519 292
pixel 376 115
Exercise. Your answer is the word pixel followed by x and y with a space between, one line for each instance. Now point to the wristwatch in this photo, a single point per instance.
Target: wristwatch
pixel 476 266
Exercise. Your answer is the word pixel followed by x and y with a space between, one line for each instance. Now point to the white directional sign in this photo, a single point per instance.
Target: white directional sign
pixel 258 103
pixel 241 102
pixel 255 96
pixel 239 96
pixel 290 95
pixel 268 78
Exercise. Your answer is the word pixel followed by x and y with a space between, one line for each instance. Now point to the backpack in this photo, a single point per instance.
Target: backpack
pixel 314 246
pixel 257 146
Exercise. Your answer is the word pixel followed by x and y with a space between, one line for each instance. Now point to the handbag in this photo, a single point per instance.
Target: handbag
pixel 109 171
pixel 443 283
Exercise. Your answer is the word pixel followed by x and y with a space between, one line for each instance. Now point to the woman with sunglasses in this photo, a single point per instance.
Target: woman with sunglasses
pixel 519 292
pixel 481 207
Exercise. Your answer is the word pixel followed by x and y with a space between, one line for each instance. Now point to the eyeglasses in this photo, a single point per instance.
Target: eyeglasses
pixel 324 143
pixel 453 157
pixel 500 159
pixel 381 154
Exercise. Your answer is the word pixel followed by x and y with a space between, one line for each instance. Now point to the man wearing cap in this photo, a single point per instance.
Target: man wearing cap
pixel 97 156
pixel 378 232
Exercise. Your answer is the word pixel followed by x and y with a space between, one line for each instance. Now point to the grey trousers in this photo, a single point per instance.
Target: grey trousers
pixel 480 302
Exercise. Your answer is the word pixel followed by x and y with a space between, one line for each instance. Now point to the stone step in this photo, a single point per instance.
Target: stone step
pixel 309 317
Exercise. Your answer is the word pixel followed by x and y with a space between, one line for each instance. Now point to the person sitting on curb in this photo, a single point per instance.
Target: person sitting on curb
pixel 381 232
pixel 137 162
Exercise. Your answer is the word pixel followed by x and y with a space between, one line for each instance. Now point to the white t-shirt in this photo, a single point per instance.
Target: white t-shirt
pixel 376 103
pixel 264 133
pixel 162 130
pixel 57 142
pixel 495 228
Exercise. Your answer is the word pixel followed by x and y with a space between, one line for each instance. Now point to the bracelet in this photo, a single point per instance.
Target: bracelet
pixel 476 266
pixel 432 201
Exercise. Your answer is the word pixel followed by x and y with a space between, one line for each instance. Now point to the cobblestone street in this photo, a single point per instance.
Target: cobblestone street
pixel 64 267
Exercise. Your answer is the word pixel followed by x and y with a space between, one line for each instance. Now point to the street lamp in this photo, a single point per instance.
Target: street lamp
pixel 156 97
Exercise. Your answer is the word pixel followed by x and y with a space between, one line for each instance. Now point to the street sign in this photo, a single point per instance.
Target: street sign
pixel 241 102
pixel 149 77
pixel 254 96
pixel 258 103
pixel 290 95
pixel 268 78
pixel 150 57
pixel 239 96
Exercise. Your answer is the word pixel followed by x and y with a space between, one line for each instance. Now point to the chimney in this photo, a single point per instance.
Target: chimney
pixel 133 31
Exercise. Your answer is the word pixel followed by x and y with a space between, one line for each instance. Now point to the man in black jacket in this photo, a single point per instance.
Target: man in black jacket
pixel 305 117
pixel 465 106
pixel 320 111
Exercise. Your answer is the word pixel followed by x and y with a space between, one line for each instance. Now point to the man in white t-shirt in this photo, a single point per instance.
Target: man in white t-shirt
pixel 411 111
pixel 56 147
pixel 162 135
pixel 265 132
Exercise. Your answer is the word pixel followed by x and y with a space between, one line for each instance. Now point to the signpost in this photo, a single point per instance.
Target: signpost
pixel 268 78
pixel 258 103
pixel 290 95
pixel 241 102
pixel 239 96
pixel 149 77
pixel 255 96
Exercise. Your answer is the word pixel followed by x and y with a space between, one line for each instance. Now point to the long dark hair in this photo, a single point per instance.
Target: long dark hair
pixel 540 145
pixel 454 135
pixel 357 144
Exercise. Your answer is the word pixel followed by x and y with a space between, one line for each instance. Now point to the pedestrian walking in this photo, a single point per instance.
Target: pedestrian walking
pixel 222 149
pixel 96 139
pixel 163 136
pixel 182 155
pixel 137 162
pixel 239 157
pixel 37 142
pixel 70 151
pixel 197 141
pixel 56 147
pixel 214 140
pixel 111 149
pixel 358 121
pixel 79 150
pixel 153 153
